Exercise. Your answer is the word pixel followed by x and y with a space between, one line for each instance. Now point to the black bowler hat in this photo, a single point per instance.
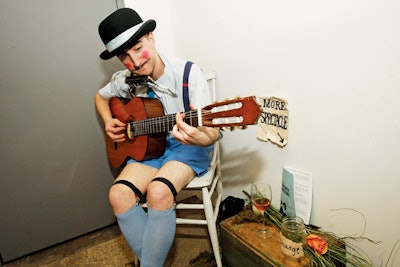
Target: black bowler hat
pixel 121 29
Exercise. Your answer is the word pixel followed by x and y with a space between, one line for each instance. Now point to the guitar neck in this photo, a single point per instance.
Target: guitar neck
pixel 237 112
pixel 160 124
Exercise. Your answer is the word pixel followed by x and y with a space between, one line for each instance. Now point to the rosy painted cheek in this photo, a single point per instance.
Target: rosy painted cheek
pixel 128 65
pixel 145 54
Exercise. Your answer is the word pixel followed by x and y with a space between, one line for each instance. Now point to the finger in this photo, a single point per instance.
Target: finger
pixel 119 123
pixel 116 137
pixel 175 133
pixel 115 122
pixel 179 134
pixel 192 106
pixel 115 130
pixel 181 124
pixel 179 117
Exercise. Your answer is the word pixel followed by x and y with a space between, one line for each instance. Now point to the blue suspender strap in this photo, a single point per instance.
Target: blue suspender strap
pixel 185 86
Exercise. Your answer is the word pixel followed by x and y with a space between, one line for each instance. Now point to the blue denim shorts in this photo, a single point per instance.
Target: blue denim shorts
pixel 196 157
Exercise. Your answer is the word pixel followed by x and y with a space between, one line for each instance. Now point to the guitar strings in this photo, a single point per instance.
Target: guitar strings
pixel 162 124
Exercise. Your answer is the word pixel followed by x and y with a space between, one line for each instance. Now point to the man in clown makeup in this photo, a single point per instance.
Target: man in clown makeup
pixel 150 234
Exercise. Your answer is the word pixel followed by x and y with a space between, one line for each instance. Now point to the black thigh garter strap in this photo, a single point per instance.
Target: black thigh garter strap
pixel 131 186
pixel 168 183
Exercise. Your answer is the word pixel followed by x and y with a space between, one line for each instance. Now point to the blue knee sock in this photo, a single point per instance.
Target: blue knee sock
pixel 132 224
pixel 158 237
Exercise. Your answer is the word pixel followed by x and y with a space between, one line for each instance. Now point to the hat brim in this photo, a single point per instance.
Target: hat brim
pixel 147 27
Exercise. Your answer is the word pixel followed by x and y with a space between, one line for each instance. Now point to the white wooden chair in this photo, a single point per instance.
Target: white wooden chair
pixel 210 186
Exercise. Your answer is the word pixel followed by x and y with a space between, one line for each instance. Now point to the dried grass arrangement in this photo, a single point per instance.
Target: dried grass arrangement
pixel 323 249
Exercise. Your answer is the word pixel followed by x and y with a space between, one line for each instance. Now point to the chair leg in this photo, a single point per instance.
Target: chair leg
pixel 212 229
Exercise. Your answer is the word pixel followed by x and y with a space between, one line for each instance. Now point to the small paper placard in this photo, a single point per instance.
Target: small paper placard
pixel 274 121
pixel 296 195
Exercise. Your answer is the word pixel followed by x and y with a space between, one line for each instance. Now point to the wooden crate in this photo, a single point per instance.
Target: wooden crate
pixel 241 246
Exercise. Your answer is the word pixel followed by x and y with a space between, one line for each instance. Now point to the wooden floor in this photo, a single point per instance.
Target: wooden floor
pixel 107 247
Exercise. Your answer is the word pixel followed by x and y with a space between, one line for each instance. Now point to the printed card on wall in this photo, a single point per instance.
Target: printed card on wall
pixel 296 195
pixel 273 121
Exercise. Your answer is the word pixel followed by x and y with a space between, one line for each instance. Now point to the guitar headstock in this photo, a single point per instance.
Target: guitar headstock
pixel 238 112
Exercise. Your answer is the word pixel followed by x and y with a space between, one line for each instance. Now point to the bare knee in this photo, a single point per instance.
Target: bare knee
pixel 159 196
pixel 121 198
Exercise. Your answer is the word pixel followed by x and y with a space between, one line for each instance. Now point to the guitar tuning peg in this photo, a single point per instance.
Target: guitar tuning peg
pixel 232 128
pixel 238 97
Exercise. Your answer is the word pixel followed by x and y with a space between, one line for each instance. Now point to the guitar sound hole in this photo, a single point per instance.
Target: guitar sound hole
pixel 130 130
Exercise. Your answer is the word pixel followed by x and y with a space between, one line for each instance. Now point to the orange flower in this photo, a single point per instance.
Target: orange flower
pixel 318 244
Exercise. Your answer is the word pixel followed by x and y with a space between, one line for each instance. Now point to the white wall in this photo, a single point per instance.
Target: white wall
pixel 337 63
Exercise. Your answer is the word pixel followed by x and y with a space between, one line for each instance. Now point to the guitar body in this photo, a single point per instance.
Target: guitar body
pixel 141 147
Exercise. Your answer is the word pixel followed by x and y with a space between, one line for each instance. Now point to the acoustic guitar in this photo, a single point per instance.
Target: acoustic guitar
pixel 147 125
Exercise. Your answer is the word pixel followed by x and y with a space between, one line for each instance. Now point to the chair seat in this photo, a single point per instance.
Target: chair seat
pixel 203 181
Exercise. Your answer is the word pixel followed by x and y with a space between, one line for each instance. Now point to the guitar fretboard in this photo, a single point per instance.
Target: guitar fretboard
pixel 161 124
